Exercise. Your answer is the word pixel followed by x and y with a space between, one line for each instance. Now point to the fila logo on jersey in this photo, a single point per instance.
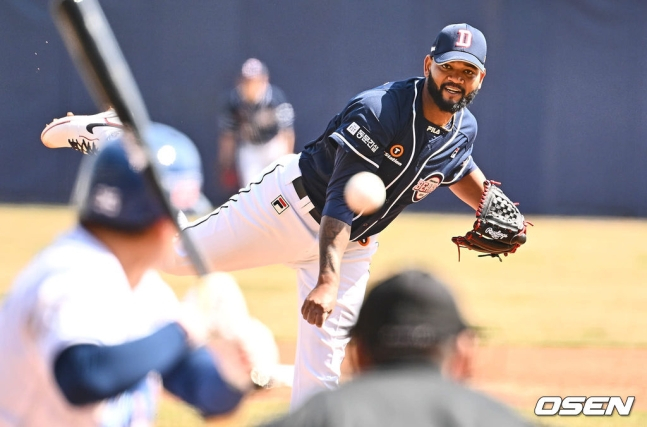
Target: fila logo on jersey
pixel 280 204
pixel 464 39
pixel 361 135
pixel 424 187
pixel 433 129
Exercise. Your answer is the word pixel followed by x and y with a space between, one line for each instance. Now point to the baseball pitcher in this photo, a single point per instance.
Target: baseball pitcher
pixel 416 135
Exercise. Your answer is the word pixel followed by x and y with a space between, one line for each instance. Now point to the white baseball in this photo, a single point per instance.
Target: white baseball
pixel 364 193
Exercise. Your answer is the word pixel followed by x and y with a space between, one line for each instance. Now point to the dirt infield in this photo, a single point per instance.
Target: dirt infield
pixel 520 375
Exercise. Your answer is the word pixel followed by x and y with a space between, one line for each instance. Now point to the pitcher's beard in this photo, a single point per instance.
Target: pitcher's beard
pixel 450 107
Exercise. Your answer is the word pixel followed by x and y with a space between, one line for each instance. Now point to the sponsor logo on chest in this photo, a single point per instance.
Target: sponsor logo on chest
pixel 393 153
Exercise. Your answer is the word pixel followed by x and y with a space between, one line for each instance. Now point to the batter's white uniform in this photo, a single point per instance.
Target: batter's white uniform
pixel 75 292
pixel 267 223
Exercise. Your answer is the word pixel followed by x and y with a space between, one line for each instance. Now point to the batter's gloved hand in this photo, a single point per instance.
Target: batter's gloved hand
pixel 244 347
pixel 499 229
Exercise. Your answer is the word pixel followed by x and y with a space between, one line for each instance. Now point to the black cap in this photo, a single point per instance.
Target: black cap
pixel 406 315
pixel 460 42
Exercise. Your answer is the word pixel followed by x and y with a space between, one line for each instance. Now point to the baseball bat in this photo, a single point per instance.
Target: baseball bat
pixel 93 47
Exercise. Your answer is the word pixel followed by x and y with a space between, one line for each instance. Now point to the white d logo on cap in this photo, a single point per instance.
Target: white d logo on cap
pixel 464 38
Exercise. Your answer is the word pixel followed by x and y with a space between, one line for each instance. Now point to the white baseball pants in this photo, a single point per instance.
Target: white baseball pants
pixel 267 223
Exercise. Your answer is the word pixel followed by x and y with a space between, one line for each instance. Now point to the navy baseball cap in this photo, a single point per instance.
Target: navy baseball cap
pixel 460 42
pixel 406 315
pixel 112 190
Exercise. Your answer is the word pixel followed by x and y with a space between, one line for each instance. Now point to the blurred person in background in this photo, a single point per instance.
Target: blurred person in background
pixel 412 352
pixel 255 126
pixel 89 332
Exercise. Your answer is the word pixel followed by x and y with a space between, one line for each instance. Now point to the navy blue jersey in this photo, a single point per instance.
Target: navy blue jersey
pixel 383 130
pixel 257 123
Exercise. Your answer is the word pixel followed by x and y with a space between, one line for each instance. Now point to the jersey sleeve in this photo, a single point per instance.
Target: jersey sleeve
pixel 285 115
pixel 90 373
pixel 89 308
pixel 197 381
pixel 367 127
pixel 463 164
pixel 346 165
pixel 463 169
pixel 283 110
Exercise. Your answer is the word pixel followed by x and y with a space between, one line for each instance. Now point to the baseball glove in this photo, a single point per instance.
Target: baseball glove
pixel 499 227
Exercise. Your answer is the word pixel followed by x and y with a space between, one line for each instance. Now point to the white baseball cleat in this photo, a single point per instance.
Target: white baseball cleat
pixel 83 133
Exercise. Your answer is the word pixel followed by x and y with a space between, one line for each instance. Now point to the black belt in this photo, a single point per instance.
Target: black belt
pixel 301 192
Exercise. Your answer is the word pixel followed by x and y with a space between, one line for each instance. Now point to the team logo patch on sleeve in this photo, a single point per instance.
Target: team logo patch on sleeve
pixel 361 135
pixel 280 205
pixel 425 186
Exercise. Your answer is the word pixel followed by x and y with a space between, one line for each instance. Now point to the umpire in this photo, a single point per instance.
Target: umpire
pixel 413 349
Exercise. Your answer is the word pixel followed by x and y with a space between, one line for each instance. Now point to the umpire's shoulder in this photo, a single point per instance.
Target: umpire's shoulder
pixel 477 407
pixel 320 410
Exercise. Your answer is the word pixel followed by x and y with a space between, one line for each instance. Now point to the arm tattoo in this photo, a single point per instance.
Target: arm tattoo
pixel 333 239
